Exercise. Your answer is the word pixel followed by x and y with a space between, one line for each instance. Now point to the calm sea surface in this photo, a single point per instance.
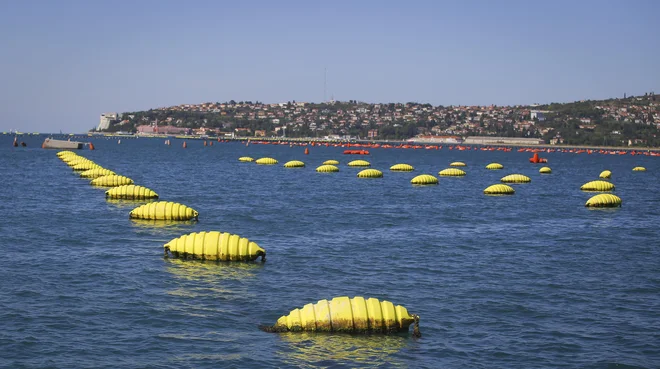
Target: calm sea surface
pixel 533 280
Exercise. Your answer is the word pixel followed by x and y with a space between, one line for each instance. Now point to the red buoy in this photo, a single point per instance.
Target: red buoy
pixel 91 146
pixel 306 150
pixel 185 144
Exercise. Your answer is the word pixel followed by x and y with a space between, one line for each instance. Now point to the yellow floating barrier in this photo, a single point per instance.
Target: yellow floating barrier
pixel 81 167
pixel 266 161
pixel 424 179
pixel 294 164
pixel 605 174
pixel 451 172
pixel 499 189
pixel 597 186
pixel 545 170
pixel 245 159
pixel 457 164
pixel 359 163
pixel 214 246
pixel 494 166
pixel 348 315
pixel 516 178
pixel 131 192
pixel 78 160
pixel 370 173
pixel 164 210
pixel 62 154
pixel 327 168
pixel 70 158
pixel 331 162
pixel 96 172
pixel 639 169
pixel 402 168
pixel 604 200
pixel 112 180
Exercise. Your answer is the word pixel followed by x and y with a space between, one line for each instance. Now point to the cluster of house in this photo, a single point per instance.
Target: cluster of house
pixel 337 118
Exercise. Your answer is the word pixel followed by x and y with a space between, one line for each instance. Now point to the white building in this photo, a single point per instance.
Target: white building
pixel 106 119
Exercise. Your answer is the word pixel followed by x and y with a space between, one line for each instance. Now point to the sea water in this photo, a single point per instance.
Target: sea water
pixel 527 281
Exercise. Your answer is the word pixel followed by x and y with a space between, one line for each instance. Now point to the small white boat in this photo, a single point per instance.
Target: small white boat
pixel 50 143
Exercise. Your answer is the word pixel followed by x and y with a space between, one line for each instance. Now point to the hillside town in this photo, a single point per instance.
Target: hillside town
pixel 628 121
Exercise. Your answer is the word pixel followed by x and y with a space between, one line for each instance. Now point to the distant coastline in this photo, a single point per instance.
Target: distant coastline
pixel 633 121
pixel 304 141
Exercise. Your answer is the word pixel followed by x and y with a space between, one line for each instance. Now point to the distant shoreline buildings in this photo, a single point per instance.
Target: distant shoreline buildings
pixel 582 122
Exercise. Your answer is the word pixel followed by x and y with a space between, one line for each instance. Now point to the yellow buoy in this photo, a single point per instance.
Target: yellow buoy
pixel 424 179
pixel 516 178
pixel 499 189
pixel 62 154
pixel 245 159
pixel 370 173
pixel 604 200
pixel 81 167
pixel 96 172
pixel 545 170
pixel 457 164
pixel 112 180
pixel 359 163
pixel 597 186
pixel 78 160
pixel 266 161
pixel 130 192
pixel 605 174
pixel 294 164
pixel 451 172
pixel 494 166
pixel 70 158
pixel 331 162
pixel 402 168
pixel 214 246
pixel 164 210
pixel 639 169
pixel 348 315
pixel 327 168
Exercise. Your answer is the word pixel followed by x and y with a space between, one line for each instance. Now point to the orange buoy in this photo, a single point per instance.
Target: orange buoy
pixel 535 159
pixel 185 144
pixel 91 146
pixel 306 150
pixel 210 143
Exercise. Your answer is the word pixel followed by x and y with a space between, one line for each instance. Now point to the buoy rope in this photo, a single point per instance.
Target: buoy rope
pixel 416 332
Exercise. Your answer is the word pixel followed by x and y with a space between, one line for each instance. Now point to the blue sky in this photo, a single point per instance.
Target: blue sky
pixel 65 62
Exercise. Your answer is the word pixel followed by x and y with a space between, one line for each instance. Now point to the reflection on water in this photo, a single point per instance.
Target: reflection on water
pixel 128 204
pixel 163 224
pixel 199 286
pixel 312 350
pixel 211 271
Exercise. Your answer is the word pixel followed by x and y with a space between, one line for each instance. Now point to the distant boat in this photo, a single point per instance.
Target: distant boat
pixel 50 143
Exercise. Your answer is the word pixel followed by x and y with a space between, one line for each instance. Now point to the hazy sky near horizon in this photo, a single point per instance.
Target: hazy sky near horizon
pixel 63 62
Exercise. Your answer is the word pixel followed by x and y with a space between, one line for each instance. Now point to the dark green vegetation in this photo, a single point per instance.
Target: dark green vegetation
pixel 631 121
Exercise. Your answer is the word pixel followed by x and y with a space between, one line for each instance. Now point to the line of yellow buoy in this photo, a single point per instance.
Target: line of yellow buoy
pixel 122 187
pixel 366 315
pixel 330 166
